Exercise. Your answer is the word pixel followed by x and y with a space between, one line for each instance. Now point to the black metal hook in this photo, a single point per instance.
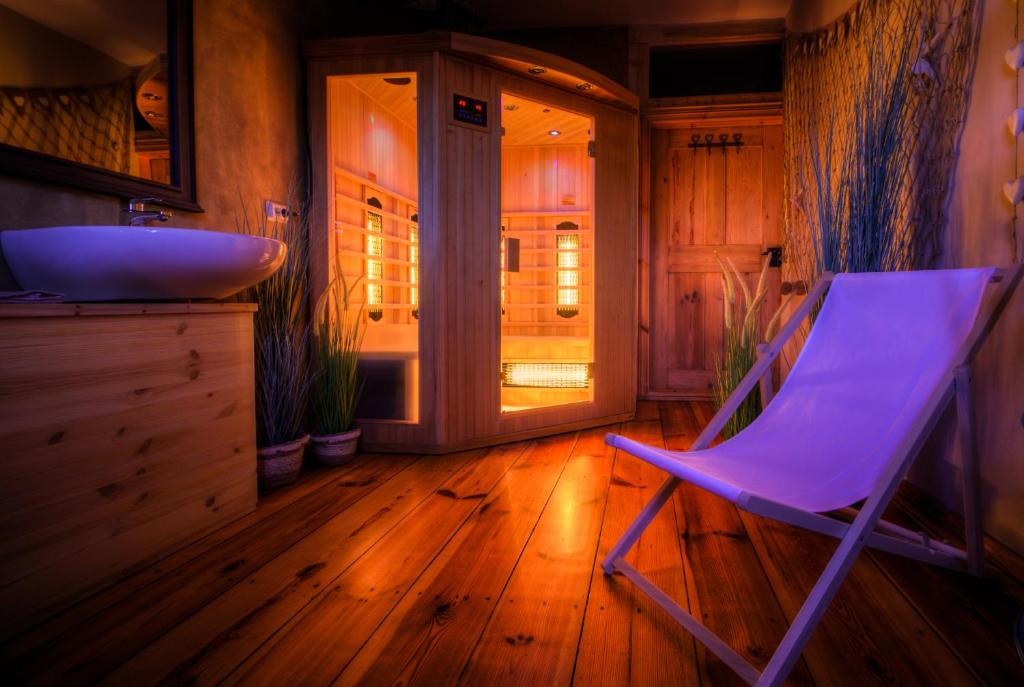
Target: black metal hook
pixel 709 142
pixel 776 256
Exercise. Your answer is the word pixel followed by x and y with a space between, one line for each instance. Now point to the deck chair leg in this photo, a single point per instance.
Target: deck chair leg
pixel 626 541
pixel 967 438
pixel 850 546
pixel 815 605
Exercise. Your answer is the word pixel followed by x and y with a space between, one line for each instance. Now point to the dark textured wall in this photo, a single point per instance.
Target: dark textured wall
pixel 249 119
pixel 604 49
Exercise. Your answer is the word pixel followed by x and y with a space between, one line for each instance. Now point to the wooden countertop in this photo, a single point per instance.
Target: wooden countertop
pixel 9 310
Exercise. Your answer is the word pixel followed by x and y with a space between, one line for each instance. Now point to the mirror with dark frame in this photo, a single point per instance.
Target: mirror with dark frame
pixel 97 94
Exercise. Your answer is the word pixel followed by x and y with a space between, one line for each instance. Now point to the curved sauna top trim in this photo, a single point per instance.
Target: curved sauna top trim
pixel 558 71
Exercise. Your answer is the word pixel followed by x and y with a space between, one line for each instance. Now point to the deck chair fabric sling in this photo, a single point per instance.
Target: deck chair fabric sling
pixel 888 352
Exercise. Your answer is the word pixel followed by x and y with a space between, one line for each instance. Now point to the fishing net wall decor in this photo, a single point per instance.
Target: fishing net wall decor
pixel 874 108
pixel 93 126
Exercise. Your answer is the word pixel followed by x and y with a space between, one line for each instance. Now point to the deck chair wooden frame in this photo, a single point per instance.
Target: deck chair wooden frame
pixel 867 528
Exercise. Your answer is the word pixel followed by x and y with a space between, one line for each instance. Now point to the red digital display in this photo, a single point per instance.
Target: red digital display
pixel 470 111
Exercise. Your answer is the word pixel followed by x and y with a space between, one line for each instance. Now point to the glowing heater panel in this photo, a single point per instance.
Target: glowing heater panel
pixel 414 267
pixel 567 244
pixel 503 272
pixel 546 375
pixel 374 265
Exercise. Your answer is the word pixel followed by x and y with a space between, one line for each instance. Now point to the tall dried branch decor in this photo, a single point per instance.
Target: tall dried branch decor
pixel 742 335
pixel 874 107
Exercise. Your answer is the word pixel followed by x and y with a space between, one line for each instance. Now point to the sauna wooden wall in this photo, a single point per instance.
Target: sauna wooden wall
pixel 127 431
pixel 543 185
pixel 368 138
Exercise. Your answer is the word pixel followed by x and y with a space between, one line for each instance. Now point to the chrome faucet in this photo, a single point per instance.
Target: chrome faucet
pixel 138 216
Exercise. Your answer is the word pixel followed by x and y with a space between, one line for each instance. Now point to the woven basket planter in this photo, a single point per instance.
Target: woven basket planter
pixel 279 465
pixel 336 449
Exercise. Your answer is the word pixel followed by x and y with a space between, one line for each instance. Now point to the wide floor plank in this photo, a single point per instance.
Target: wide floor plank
pixel 430 635
pixel 928 515
pixel 317 642
pixel 627 639
pixel 213 641
pixel 531 637
pixel 978 633
pixel 847 646
pixel 742 609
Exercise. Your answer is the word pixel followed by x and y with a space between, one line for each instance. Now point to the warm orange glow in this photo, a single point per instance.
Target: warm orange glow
pixel 568 292
pixel 414 268
pixel 374 268
pixel 501 271
pixel 546 375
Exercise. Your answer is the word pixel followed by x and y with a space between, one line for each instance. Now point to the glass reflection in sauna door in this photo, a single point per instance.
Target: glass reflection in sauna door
pixel 546 256
pixel 373 164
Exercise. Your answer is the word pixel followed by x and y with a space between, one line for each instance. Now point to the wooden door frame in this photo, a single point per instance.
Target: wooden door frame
pixel 684 114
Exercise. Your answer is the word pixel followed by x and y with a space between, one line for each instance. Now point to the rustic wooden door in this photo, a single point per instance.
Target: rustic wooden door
pixel 723 199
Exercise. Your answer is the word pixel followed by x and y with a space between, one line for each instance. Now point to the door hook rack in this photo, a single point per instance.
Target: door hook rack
pixel 709 142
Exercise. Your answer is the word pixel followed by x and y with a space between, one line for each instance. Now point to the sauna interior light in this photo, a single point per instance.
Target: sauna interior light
pixel 414 268
pixel 567 244
pixel 374 265
pixel 554 132
pixel 546 375
pixel 502 270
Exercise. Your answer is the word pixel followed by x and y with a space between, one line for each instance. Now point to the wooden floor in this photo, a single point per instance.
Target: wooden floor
pixel 481 568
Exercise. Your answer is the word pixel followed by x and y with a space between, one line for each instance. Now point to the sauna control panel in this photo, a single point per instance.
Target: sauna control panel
pixel 466 110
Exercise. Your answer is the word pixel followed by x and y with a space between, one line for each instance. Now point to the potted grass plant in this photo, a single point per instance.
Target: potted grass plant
pixel 281 330
pixel 743 334
pixel 337 339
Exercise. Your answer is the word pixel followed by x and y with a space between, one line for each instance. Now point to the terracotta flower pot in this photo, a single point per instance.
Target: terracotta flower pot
pixel 279 465
pixel 336 449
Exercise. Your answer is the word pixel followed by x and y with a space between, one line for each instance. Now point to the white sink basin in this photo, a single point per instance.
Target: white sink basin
pixel 107 263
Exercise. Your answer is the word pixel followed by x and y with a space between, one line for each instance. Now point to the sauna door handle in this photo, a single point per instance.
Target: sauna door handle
pixel 511 254
pixel 776 256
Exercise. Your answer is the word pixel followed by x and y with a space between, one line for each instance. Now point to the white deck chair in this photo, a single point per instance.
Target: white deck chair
pixel 886 355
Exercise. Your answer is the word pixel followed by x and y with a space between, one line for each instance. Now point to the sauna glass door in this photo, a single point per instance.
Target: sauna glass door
pixel 372 141
pixel 546 256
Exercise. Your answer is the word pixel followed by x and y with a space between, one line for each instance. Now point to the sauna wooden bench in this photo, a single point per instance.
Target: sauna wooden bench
pixel 127 430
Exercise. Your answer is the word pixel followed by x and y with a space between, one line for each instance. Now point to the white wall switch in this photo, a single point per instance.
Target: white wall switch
pixel 275 212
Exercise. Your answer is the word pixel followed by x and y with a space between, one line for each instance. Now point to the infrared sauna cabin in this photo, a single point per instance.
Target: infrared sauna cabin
pixel 479 198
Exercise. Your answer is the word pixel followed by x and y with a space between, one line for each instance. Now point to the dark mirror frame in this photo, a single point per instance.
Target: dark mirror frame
pixel 181 194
